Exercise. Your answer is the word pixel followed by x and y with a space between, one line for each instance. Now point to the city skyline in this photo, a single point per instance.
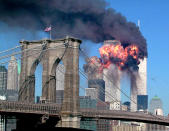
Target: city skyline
pixel 100 65
pixel 155 33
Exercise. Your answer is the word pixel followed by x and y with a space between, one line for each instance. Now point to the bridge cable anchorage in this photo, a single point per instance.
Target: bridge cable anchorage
pixel 114 84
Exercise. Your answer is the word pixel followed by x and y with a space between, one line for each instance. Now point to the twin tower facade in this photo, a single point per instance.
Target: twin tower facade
pixel 138 83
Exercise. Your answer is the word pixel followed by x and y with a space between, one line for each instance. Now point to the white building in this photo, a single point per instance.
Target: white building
pixel 115 105
pixel 138 83
pixel 158 111
pixel 12 80
pixel 60 77
pixel 111 76
pixel 92 92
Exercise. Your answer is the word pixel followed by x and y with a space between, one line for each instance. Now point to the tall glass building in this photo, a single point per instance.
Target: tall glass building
pixel 3 79
pixel 155 103
pixel 142 102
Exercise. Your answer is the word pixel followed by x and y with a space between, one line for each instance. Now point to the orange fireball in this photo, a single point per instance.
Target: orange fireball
pixel 117 52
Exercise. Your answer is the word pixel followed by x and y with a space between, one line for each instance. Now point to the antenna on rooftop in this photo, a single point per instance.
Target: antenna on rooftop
pixel 138 24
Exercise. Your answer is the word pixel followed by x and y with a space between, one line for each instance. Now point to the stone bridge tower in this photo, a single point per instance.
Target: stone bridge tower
pixel 49 53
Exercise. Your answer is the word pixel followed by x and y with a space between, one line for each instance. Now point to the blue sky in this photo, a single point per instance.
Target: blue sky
pixel 154 17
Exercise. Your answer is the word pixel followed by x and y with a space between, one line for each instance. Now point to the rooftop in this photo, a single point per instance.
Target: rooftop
pixel 51 40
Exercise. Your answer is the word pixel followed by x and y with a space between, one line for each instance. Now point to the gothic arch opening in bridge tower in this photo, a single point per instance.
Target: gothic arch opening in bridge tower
pixel 60 77
pixel 38 83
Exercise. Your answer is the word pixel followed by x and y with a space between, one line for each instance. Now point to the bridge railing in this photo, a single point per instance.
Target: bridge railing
pixel 9 106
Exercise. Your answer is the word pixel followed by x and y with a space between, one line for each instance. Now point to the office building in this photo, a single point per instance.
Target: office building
pixel 155 103
pixel 111 76
pixel 3 80
pixel 99 86
pixel 142 102
pixel 12 81
pixel 138 83
pixel 60 77
pixel 92 93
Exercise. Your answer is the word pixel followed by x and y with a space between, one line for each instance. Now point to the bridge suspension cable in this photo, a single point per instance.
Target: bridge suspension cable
pixel 2 63
pixel 10 49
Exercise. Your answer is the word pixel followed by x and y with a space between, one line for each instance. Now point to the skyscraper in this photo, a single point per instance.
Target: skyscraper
pixel 60 77
pixel 3 86
pixel 138 83
pixel 3 80
pixel 12 81
pixel 155 104
pixel 142 102
pixel 156 107
pixel 99 85
pixel 112 83
pixel 91 92
pixel 111 76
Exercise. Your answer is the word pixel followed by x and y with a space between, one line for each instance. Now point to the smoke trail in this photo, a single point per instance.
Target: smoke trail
pixel 85 19
pixel 93 68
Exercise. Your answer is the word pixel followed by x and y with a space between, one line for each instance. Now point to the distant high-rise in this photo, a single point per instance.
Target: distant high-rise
pixel 99 86
pixel 112 84
pixel 138 83
pixel 91 92
pixel 3 80
pixel 12 81
pixel 60 74
pixel 60 77
pixel 142 78
pixel 127 103
pixel 142 102
pixel 111 76
pixel 155 104
pixel 3 86
pixel 156 107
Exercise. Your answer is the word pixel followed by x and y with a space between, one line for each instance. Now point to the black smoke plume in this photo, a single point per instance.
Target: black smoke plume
pixel 85 19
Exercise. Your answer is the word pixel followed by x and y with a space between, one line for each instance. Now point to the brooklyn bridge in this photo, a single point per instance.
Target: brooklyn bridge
pixel 69 111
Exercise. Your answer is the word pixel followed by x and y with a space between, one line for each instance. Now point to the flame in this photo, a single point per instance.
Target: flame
pixel 117 52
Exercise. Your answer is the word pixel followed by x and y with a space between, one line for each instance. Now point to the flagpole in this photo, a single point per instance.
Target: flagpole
pixel 51 33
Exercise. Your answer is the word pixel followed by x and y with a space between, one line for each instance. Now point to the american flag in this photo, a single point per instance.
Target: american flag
pixel 47 29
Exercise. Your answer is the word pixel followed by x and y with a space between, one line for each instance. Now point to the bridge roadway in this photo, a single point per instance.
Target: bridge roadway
pixel 54 110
